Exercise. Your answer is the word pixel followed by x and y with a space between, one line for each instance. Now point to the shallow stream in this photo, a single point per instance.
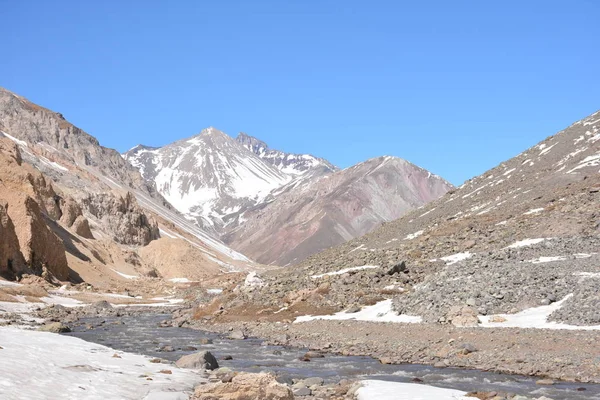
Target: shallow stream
pixel 141 334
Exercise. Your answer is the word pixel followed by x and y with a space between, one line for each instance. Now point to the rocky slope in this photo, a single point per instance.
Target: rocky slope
pixel 521 235
pixel 311 215
pixel 85 203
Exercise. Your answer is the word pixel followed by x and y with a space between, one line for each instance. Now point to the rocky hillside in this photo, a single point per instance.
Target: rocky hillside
pixel 524 234
pixel 89 212
pixel 311 215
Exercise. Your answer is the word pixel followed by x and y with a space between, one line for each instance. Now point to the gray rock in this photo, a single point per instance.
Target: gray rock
pixel 304 391
pixel 237 335
pixel 54 327
pixel 201 360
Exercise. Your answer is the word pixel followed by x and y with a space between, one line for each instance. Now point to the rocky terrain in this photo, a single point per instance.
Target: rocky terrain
pixel 521 235
pixel 278 208
pixel 78 211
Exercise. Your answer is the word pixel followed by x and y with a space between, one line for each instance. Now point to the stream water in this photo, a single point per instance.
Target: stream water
pixel 141 334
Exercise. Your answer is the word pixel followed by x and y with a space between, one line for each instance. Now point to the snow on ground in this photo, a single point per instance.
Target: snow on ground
pixel 534 211
pixel 380 312
pixel 411 236
pixel 588 274
pixel 180 280
pixel 125 275
pixel 587 162
pixel 454 258
pixel 384 390
pixel 214 291
pixel 8 283
pixel 63 301
pixel 14 139
pixel 343 271
pixel 547 259
pixel 536 317
pixel 163 302
pixel 41 365
pixel 525 242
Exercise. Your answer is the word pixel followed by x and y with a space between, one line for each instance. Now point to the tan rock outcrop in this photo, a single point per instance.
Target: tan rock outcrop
pixel 11 259
pixel 122 217
pixel 81 226
pixel 41 248
pixel 245 386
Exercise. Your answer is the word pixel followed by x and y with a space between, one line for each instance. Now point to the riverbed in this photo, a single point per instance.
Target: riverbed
pixel 142 334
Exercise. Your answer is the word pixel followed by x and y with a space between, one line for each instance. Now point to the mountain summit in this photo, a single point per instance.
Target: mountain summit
pixel 280 207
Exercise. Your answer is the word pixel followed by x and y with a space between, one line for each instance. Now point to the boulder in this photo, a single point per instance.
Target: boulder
pixel 200 360
pixel 397 268
pixel 55 327
pixel 81 226
pixel 463 316
pixel 237 335
pixel 245 386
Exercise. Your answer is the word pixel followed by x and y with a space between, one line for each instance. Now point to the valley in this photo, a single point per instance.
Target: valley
pixel 356 283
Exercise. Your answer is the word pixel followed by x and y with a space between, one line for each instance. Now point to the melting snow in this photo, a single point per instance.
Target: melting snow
pixel 385 390
pixel 125 275
pixel 413 235
pixel 589 161
pixel 534 211
pixel 77 369
pixel 180 280
pixel 547 259
pixel 343 271
pixel 380 312
pixel 14 139
pixel 454 258
pixel 525 242
pixel 536 317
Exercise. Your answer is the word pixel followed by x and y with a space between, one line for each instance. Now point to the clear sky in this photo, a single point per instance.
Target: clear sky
pixel 453 86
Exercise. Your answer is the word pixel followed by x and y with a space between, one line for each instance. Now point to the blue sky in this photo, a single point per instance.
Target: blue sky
pixel 453 86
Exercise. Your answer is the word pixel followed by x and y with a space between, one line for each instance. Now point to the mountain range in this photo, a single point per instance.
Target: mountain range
pixel 102 217
pixel 276 207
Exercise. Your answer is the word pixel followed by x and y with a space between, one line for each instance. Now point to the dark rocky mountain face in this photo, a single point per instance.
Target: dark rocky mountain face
pixel 279 207
pixel 525 233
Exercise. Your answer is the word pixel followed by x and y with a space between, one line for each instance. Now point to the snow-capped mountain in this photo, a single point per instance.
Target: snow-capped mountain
pixel 280 207
pixel 212 178
pixel 288 163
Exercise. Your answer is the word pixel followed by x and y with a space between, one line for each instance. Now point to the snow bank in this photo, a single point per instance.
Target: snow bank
pixel 41 365
pixel 383 390
pixel 380 312
pixel 343 271
pixel 525 242
pixel 411 236
pixel 454 258
pixel 536 317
